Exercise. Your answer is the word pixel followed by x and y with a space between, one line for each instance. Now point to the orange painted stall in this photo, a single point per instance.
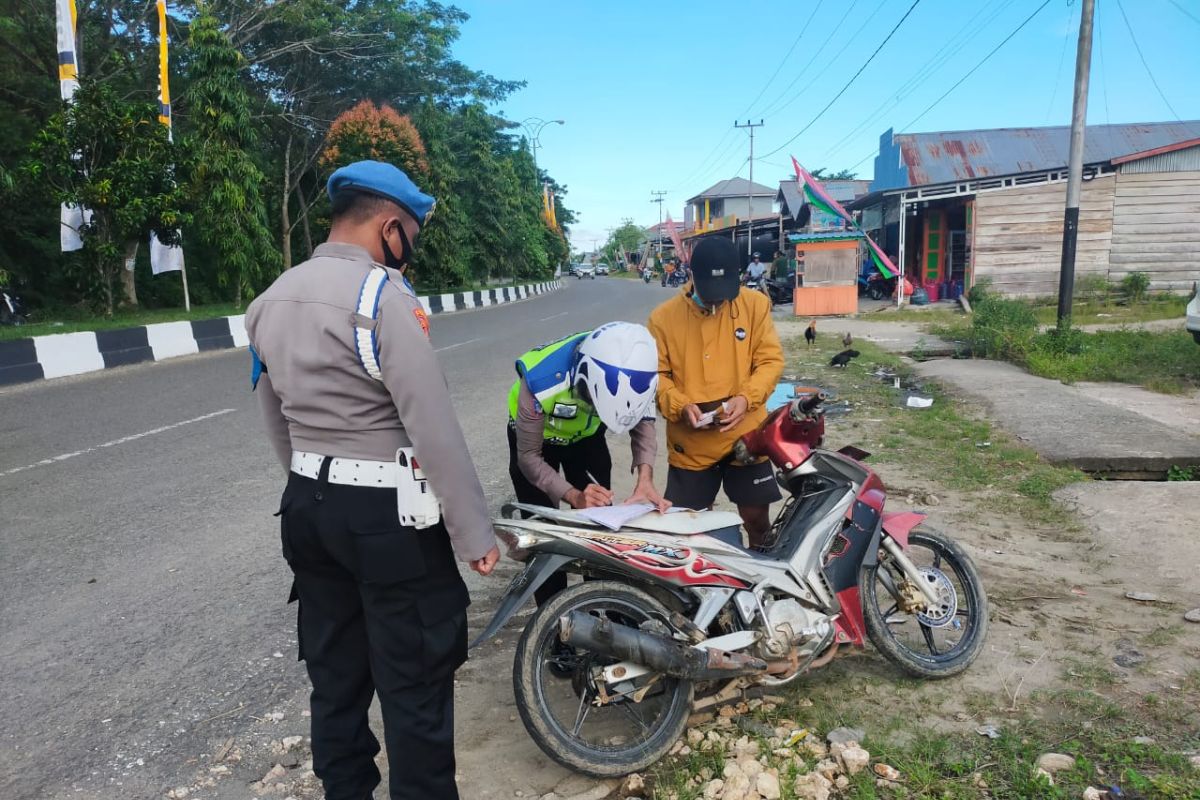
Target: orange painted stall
pixel 826 273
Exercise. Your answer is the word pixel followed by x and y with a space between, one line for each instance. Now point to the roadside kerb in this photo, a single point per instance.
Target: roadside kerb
pixel 61 354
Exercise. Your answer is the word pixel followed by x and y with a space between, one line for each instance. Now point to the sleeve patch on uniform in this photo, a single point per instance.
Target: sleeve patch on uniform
pixel 422 318
pixel 257 368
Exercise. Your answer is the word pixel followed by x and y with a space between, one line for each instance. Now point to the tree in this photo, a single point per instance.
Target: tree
pixel 627 238
pixel 375 133
pixel 113 157
pixel 225 186
pixel 443 259
pixel 840 175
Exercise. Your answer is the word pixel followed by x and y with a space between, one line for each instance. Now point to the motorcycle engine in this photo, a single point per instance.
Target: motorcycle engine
pixel 790 624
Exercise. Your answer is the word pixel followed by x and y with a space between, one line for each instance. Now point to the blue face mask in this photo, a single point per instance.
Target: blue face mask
pixel 711 309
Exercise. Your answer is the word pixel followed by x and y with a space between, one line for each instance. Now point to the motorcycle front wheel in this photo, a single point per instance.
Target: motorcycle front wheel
pixel 557 696
pixel 934 643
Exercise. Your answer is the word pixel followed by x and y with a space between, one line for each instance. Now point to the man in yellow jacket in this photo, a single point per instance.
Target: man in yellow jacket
pixel 719 359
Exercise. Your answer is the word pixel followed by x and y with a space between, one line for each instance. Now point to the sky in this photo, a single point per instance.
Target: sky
pixel 649 91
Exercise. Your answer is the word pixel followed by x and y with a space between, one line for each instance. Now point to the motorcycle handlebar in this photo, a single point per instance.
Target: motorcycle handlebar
pixel 806 405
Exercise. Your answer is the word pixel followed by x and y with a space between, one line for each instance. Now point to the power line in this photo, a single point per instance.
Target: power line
pixel 771 107
pixel 1138 47
pixel 704 162
pixel 982 61
pixel 783 60
pixel 833 60
pixel 853 78
pixel 953 45
pixel 1178 5
pixel 1103 66
pixel 1061 57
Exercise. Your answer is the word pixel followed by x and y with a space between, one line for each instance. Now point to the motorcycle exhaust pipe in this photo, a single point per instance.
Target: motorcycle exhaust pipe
pixel 659 653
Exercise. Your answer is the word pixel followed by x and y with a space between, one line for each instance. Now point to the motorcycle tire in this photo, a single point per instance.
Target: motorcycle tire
pixel 531 684
pixel 875 293
pixel 920 664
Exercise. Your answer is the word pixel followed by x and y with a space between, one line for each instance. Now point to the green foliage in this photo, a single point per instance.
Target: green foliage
pixel 1176 473
pixel 1135 285
pixel 1002 328
pixel 250 139
pixel 980 290
pixel 628 238
pixel 1164 361
pixel 112 157
pixel 225 184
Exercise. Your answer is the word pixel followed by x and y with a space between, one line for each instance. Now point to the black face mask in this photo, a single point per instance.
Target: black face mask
pixel 389 258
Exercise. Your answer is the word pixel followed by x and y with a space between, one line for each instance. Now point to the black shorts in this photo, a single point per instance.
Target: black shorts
pixel 745 486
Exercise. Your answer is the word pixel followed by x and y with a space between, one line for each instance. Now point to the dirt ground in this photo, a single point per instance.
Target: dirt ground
pixel 1059 618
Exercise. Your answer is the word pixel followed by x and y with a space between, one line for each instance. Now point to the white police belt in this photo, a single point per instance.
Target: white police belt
pixel 416 504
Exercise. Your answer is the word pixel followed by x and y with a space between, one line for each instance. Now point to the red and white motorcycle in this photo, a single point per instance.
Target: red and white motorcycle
pixel 675 615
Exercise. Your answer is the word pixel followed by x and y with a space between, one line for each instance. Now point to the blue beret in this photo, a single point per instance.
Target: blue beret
pixel 384 180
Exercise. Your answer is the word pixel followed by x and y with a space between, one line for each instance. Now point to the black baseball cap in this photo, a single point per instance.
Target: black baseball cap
pixel 714 268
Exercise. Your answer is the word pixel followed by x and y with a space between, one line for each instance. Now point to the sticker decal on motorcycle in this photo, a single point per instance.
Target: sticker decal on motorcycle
pixel 679 565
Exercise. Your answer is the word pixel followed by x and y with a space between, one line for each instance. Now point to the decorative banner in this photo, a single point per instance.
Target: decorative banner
pixel 165 258
pixel 673 233
pixel 815 194
pixel 71 218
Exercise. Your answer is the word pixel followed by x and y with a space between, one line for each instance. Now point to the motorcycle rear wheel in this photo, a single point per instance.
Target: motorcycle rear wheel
pixel 538 678
pixel 969 609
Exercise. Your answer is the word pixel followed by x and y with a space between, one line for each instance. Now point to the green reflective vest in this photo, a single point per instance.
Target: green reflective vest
pixel 546 370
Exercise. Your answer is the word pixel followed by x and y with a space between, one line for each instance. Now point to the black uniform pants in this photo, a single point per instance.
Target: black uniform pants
pixel 382 611
pixel 578 461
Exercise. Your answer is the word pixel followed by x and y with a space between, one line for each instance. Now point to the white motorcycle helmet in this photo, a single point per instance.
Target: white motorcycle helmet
pixel 618 367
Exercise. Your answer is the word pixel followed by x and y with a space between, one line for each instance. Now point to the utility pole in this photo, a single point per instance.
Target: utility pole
pixel 1083 66
pixel 750 191
pixel 658 198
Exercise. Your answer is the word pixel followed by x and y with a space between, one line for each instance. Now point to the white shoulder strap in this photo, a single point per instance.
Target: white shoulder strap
pixel 365 339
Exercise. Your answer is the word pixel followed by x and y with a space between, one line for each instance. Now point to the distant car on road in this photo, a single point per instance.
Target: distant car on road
pixel 573 270
pixel 1193 313
pixel 602 269
pixel 585 271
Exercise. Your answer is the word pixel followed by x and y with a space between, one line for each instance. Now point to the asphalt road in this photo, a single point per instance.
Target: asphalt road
pixel 141 586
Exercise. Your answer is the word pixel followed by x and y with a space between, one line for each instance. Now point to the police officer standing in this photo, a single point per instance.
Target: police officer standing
pixel 358 411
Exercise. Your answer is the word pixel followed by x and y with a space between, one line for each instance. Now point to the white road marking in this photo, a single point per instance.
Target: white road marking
pixel 554 316
pixel 452 346
pixel 123 440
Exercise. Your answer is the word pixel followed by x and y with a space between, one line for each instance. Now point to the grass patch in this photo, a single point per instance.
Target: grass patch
pixel 1162 361
pixel 945 443
pixel 75 320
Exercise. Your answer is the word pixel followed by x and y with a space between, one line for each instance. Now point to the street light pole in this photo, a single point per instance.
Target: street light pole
pixel 533 128
pixel 1083 65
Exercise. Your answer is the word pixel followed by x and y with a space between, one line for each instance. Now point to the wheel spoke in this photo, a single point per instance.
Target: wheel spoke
pixel 635 716
pixel 584 708
pixel 927 632
pixel 887 615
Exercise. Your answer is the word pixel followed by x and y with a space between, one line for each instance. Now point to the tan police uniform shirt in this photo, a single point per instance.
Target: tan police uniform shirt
pixel 317 397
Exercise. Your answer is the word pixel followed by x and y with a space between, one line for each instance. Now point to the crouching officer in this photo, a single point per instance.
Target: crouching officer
pixel 567 395
pixel 358 411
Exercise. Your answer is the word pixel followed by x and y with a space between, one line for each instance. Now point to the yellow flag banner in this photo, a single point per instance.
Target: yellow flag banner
pixel 166 258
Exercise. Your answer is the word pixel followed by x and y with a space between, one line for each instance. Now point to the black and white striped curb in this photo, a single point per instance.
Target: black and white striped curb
pixel 62 354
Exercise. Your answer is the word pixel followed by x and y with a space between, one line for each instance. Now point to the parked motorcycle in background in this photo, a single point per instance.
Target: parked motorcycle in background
pixel 12 311
pixel 678 616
